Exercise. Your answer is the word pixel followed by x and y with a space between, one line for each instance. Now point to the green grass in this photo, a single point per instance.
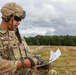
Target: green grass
pixel 65 64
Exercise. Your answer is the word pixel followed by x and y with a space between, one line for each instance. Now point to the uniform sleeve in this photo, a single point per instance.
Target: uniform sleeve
pixel 7 66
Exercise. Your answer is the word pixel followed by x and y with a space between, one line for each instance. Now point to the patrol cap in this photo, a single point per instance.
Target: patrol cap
pixel 12 8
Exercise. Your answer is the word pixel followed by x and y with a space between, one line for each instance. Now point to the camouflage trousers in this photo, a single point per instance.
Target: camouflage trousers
pixel 26 71
pixel 45 72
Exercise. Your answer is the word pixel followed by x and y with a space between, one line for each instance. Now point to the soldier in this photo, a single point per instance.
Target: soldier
pixel 13 55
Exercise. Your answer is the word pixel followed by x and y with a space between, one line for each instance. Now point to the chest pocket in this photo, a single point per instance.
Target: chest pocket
pixel 22 49
pixel 12 50
pixel 10 47
pixel 4 47
pixel 18 51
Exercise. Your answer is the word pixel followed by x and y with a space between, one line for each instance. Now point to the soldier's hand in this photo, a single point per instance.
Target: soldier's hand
pixel 28 62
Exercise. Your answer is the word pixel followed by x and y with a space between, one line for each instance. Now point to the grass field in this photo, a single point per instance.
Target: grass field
pixel 65 64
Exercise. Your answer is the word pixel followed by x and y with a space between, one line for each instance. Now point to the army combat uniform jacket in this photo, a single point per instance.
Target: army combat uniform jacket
pixel 10 49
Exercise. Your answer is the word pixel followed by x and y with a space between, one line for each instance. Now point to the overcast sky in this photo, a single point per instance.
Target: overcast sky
pixel 47 17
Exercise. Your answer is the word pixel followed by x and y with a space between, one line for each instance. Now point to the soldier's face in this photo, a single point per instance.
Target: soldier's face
pixel 16 22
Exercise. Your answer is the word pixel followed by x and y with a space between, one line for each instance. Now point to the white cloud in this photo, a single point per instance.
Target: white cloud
pixel 37 31
pixel 47 17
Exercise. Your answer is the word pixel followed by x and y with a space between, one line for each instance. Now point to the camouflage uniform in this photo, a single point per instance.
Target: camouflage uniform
pixel 7 67
pixel 10 47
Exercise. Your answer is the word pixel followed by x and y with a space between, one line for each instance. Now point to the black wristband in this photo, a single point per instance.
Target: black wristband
pixel 31 60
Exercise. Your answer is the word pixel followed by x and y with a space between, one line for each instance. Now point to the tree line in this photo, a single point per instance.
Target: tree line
pixel 65 40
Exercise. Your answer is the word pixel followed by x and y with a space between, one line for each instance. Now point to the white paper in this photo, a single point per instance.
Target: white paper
pixel 54 55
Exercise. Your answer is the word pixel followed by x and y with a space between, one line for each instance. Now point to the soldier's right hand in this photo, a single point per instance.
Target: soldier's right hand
pixel 28 62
